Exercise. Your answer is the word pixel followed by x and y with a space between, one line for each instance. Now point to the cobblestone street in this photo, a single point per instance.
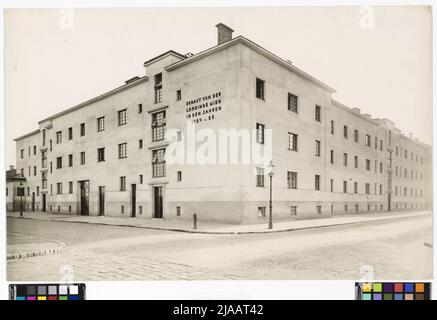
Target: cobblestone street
pixel 384 250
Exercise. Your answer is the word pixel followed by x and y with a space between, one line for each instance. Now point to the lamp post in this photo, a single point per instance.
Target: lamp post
pixel 21 198
pixel 270 173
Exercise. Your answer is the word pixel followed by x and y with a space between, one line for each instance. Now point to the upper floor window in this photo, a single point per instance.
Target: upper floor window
pixel 59 137
pixel 345 132
pixel 317 182
pixel 140 108
pixel 332 126
pixel 260 133
pixel 59 163
pixel 292 102
pixel 178 95
pixel 122 119
pixel 82 157
pixel 158 126
pixel 44 137
pixel 292 141
pixel 345 159
pixel 158 87
pixel 292 179
pixel 367 141
pixel 34 150
pixel 318 113
pixel 70 160
pixel 317 148
pixel 123 183
pixel 82 129
pixel 356 135
pixel 158 163
pixel 22 153
pixel 70 133
pixel 100 154
pixel 260 177
pixel 122 150
pixel 260 89
pixel 101 124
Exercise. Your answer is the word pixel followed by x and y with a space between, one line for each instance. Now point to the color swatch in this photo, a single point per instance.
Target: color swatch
pixel 47 292
pixel 392 290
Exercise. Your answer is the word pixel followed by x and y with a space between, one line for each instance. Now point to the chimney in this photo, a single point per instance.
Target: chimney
pixel 224 33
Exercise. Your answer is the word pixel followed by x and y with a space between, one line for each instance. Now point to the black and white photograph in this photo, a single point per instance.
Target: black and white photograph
pixel 218 143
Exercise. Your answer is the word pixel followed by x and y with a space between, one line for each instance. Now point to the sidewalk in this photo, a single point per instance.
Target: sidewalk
pixel 217 228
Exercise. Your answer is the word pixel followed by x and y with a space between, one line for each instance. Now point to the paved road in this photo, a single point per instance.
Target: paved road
pixel 383 250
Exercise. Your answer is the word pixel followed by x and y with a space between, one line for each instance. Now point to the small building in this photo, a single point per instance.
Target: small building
pixel 14 181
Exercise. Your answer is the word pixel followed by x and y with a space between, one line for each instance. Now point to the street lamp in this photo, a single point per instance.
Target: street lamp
pixel 21 198
pixel 270 173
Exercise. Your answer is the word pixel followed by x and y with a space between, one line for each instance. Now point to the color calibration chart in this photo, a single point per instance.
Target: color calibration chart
pixel 392 291
pixel 43 292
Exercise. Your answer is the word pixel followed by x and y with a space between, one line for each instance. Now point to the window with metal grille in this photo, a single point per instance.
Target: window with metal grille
pixel 122 150
pixel 122 117
pixel 260 133
pixel 318 113
pixel 260 177
pixel 292 103
pixel 123 183
pixel 158 163
pixel 260 88
pixel 292 141
pixel 158 126
pixel 101 124
pixel 292 179
pixel 345 159
pixel 158 87
pixel 100 154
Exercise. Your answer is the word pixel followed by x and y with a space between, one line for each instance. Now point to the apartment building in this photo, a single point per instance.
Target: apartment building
pixel 107 156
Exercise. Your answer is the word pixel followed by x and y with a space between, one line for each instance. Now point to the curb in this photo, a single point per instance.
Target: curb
pixel 234 232
pixel 32 254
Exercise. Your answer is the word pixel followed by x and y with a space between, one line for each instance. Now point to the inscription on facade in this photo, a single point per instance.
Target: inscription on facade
pixel 203 109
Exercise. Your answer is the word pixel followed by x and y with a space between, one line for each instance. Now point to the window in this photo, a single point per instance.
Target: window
pixel 123 183
pixel 332 156
pixel 260 133
pixel 178 211
pixel 140 144
pixel 380 145
pixel 406 154
pixel 59 137
pixel 332 185
pixel 317 148
pixel 356 135
pixel 51 193
pixel 179 136
pixel 51 167
pixel 34 170
pixel 317 182
pixel 292 103
pixel 319 209
pixel 158 126
pixel 70 160
pixel 82 157
pixel 59 188
pixel 100 124
pixel 34 150
pixel 380 167
pixel 22 153
pixel 332 126
pixel 367 141
pixel 292 179
pixel 82 129
pixel 292 141
pixel 367 164
pixel 317 113
pixel 397 150
pixel 122 117
pixel 158 87
pixel 376 142
pixel 59 163
pixel 158 163
pixel 260 89
pixel 100 154
pixel 357 208
pixel 260 177
pixel 141 179
pixel 293 210
pixel 345 132
pixel 29 151
pixel 380 189
pixel 51 145
pixel 344 186
pixel 356 162
pixel 44 137
pixel 367 186
pixel 355 187
pixel 140 108
pixel 122 209
pixel 70 133
pixel 261 212
pixel 122 150
pixel 345 159
pixel 70 187
pixel 179 176
pixel 178 95
pixel 44 159
pixel 37 191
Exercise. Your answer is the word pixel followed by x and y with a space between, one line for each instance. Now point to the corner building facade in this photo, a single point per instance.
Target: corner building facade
pixel 106 156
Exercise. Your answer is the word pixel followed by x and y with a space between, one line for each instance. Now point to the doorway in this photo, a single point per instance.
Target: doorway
pixel 33 201
pixel 44 204
pixel 133 200
pixel 157 196
pixel 101 200
pixel 84 187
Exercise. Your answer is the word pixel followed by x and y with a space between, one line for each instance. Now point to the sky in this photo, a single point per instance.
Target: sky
pixel 57 58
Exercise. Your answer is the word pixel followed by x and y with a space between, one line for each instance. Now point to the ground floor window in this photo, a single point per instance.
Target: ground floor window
pixel 293 210
pixel 319 209
pixel 261 211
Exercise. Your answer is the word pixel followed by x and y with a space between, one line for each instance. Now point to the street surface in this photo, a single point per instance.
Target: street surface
pixel 394 249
